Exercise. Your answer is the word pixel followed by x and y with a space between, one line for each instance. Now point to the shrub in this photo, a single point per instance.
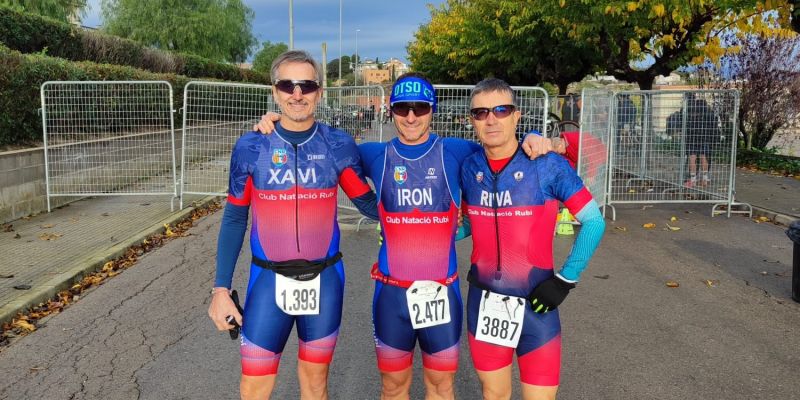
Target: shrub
pixel 21 76
pixel 30 33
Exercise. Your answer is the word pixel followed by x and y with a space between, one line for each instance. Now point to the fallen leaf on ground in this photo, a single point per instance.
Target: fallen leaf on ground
pixel 765 273
pixel 761 219
pixel 105 214
pixel 6 276
pixel 50 236
pixel 621 228
pixel 649 225
pixel 22 287
pixel 632 191
pixel 17 236
pixel 46 226
pixel 673 228
pixel 8 228
pixel 36 369
pixel 24 325
pixel 711 282
pixel 672 284
pixel 168 231
pixel 673 219
pixel 602 276
pixel 109 266
pixel 772 262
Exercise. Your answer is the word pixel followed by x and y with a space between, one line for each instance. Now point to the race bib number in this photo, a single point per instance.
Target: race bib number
pixel 500 319
pixel 297 297
pixel 428 304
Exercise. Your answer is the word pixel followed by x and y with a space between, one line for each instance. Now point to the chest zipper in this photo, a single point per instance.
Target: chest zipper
pixel 296 199
pixel 495 175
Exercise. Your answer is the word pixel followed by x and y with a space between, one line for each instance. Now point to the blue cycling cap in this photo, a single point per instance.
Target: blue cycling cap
pixel 413 89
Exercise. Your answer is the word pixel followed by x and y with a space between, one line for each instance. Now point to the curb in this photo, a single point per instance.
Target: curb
pixel 90 264
pixel 778 218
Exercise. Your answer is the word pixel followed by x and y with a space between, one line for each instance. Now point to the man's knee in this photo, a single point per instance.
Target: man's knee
pixel 439 384
pixel 396 383
pixel 313 376
pixel 256 387
pixel 496 392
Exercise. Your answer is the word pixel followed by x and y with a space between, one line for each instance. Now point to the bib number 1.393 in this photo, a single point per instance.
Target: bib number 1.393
pixel 297 297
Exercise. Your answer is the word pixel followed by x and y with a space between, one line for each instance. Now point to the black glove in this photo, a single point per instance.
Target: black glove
pixel 549 294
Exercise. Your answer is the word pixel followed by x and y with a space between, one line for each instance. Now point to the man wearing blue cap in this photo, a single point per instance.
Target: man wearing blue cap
pixel 416 176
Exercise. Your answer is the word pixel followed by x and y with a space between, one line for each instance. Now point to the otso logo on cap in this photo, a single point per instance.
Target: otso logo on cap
pixel 413 89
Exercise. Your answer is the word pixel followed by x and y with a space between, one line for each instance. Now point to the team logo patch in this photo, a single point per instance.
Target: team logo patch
pixel 279 157
pixel 400 174
pixel 431 171
pixel 479 177
pixel 518 175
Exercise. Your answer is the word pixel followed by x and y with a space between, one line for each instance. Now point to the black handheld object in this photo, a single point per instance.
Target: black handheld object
pixel 234 332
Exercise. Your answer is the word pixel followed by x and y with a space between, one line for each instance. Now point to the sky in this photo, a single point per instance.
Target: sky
pixel 386 26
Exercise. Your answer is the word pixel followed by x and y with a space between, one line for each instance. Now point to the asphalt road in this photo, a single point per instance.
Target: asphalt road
pixel 145 334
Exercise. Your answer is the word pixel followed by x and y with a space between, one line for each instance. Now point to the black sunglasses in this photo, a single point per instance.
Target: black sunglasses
pixel 288 85
pixel 420 108
pixel 502 111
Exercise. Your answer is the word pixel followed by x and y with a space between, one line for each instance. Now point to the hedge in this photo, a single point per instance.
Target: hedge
pixel 31 33
pixel 21 76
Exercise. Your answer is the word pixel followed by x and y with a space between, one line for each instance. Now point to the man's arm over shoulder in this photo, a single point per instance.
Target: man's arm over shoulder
pixel 352 178
pixel 460 149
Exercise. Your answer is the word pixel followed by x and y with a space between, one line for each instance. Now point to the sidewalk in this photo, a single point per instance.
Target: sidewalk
pixel 55 249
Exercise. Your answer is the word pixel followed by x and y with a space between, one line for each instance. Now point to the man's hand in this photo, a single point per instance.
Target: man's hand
pixel 221 308
pixel 550 294
pixel 267 123
pixel 534 145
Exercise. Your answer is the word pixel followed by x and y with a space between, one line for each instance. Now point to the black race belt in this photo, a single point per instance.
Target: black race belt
pixel 299 269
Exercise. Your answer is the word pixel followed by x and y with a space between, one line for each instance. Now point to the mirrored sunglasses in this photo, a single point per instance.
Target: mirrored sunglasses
pixel 502 111
pixel 288 85
pixel 420 108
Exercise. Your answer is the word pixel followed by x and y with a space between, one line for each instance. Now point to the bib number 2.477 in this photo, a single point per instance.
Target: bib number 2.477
pixel 297 297
pixel 428 304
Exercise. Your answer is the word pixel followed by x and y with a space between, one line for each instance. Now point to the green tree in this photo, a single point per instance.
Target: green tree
pixel 61 10
pixel 640 40
pixel 333 67
pixel 269 52
pixel 216 29
pixel 466 41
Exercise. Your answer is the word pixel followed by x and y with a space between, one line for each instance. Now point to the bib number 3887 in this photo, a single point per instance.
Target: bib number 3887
pixel 297 297
pixel 428 304
pixel 500 319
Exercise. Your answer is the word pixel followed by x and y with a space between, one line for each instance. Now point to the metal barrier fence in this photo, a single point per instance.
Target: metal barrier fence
pixel 217 113
pixel 108 138
pixel 357 111
pixel 566 107
pixel 452 115
pixel 657 136
pixel 595 130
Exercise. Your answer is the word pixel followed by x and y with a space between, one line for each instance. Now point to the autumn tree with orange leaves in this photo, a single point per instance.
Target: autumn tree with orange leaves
pixel 634 41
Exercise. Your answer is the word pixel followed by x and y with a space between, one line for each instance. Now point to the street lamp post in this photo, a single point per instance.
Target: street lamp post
pixel 291 27
pixel 355 72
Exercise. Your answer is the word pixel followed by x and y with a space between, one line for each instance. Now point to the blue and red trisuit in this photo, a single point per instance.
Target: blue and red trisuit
pixel 512 213
pixel 291 190
pixel 416 291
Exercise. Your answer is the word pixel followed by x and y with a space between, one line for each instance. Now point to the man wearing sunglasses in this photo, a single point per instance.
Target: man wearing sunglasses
pixel 289 183
pixel 512 203
pixel 417 295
